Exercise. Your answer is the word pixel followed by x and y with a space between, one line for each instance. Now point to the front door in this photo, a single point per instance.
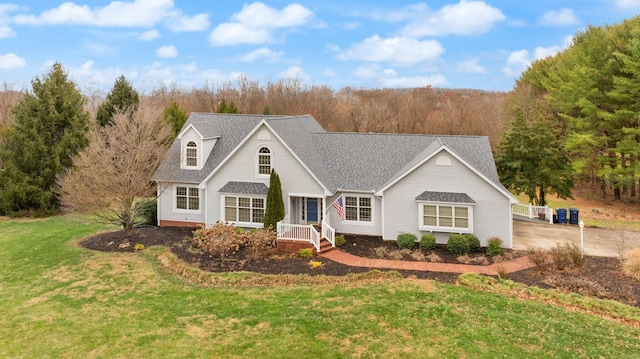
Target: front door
pixel 312 210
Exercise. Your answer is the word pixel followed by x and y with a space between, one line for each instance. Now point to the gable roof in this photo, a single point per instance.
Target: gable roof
pixel 339 161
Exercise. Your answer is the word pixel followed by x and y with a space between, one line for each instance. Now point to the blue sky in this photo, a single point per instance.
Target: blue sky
pixel 363 44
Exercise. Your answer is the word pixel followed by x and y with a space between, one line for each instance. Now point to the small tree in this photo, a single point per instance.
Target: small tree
pixel 111 178
pixel 225 107
pixel 275 205
pixel 122 99
pixel 176 116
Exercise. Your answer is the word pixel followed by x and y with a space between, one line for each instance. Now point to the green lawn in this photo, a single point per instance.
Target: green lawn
pixel 62 301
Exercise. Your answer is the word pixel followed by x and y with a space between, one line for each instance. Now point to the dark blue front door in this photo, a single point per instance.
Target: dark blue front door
pixel 312 210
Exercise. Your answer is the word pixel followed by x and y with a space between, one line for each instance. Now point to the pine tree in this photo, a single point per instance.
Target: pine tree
pixel 122 98
pixel 175 115
pixel 50 128
pixel 225 107
pixel 275 205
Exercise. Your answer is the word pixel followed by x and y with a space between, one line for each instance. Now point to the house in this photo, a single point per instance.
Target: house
pixel 381 184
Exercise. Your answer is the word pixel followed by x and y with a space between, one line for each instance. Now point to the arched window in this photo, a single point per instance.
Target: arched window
pixel 192 154
pixel 264 161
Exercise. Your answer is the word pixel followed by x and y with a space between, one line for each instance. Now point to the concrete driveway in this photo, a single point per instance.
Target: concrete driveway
pixel 597 241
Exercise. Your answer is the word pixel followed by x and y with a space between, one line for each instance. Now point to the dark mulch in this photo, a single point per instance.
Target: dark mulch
pixel 600 276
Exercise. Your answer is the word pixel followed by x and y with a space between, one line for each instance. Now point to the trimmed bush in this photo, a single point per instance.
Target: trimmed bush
pixel 406 240
pixel 340 241
pixel 458 244
pixel 474 242
pixel 428 241
pixel 494 246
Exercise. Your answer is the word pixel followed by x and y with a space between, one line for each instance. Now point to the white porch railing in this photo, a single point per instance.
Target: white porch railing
pixel 530 211
pixel 299 232
pixel 329 233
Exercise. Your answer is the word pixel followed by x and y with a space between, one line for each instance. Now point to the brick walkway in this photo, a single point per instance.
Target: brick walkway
pixel 355 261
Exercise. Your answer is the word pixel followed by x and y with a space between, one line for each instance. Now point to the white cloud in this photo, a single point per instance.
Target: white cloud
pixel 257 23
pixel 262 53
pixel 167 51
pixel 295 72
pixel 149 35
pixel 387 77
pixel 628 4
pixel 409 12
pixel 136 13
pixel 6 31
pixel 519 61
pixel 395 50
pixel 562 17
pixel 464 18
pixel 471 66
pixel 11 61
pixel 329 73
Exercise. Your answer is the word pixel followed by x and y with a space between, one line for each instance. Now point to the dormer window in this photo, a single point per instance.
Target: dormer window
pixel 264 161
pixel 191 158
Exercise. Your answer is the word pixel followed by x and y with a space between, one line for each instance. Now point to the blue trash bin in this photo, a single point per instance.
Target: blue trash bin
pixel 562 215
pixel 573 215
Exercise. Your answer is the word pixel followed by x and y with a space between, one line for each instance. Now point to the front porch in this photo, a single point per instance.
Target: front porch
pixel 293 237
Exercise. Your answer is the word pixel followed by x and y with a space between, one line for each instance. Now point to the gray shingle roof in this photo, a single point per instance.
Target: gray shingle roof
pixel 448 197
pixel 346 161
pixel 245 188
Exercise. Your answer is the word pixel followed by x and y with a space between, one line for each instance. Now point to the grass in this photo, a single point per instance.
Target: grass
pixel 60 300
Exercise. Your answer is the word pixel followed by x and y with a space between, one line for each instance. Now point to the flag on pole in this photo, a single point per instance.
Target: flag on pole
pixel 339 206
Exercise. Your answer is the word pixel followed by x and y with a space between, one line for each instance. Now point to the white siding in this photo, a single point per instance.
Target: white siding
pixel 374 228
pixel 491 213
pixel 167 205
pixel 241 167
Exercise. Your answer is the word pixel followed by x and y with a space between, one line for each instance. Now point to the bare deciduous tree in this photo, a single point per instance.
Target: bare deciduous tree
pixel 111 177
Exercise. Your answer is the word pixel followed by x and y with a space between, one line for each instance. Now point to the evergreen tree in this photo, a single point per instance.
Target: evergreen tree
pixel 531 158
pixel 223 107
pixel 275 205
pixel 122 98
pixel 175 115
pixel 50 127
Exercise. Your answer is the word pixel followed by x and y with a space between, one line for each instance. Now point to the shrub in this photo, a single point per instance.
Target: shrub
pixel 428 241
pixel 340 241
pixel 494 246
pixel 631 264
pixel 418 255
pixel 474 242
pixel 566 256
pixel 540 257
pixel 260 243
pixel 305 252
pixel 220 240
pixel 458 244
pixel 315 264
pixel 379 252
pixel 406 240
pixel 138 247
pixel 149 211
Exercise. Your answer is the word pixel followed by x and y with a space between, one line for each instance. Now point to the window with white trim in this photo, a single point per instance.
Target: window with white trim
pixel 191 154
pixel 445 217
pixel 188 198
pixel 244 209
pixel 264 161
pixel 357 208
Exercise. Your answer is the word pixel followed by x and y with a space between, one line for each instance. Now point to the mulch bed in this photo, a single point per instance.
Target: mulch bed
pixel 600 276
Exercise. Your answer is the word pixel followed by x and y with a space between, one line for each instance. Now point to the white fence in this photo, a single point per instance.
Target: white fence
pixel 328 233
pixel 306 233
pixel 527 210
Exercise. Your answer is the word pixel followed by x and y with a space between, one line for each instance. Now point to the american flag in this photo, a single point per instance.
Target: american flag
pixel 339 206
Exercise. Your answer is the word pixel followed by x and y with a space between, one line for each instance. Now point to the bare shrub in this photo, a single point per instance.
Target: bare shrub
pixel 261 243
pixel 477 260
pixel 631 264
pixel 566 256
pixel 541 258
pixel 396 254
pixel 570 284
pixel 433 257
pixel 380 252
pixel 220 240
pixel 418 255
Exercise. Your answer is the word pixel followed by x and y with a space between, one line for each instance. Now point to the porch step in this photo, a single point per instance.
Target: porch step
pixel 325 246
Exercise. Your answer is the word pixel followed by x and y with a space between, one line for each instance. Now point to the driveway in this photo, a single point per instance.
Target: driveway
pixel 597 241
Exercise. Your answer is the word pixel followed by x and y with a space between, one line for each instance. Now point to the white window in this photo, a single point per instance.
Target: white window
pixel 244 209
pixel 188 198
pixel 357 208
pixel 445 217
pixel 264 161
pixel 191 154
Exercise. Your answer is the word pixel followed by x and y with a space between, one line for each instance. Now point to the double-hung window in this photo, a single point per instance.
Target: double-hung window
pixel 264 161
pixel 445 217
pixel 244 209
pixel 188 198
pixel 191 155
pixel 357 208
